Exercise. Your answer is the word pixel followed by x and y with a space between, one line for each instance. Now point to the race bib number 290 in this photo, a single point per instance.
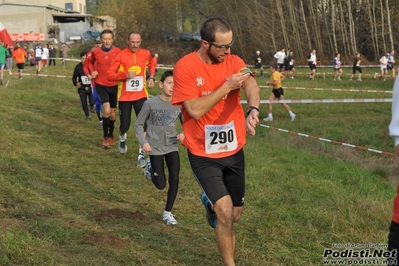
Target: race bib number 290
pixel 220 138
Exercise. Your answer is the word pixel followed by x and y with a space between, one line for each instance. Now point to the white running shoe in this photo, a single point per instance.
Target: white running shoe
pixel 292 117
pixel 141 160
pixel 375 75
pixel 267 119
pixel 122 147
pixel 147 170
pixel 168 218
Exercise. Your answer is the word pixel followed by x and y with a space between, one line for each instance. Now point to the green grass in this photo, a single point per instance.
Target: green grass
pixel 65 201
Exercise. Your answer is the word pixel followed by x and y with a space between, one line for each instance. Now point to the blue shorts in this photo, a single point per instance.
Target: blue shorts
pixel 2 65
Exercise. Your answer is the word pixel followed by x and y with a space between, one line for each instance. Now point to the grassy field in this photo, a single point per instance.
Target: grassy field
pixel 66 201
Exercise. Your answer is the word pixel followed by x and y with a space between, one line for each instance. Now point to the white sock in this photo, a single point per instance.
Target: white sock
pixel 141 152
pixel 290 112
pixel 270 115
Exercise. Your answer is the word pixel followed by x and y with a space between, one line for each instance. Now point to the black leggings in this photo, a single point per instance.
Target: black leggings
pixel 158 175
pixel 84 96
pixel 125 113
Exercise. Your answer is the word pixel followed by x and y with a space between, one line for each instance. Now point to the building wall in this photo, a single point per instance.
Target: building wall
pixel 78 5
pixel 33 16
pixel 18 19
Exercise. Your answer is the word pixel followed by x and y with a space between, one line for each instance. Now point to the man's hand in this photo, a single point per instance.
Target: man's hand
pixel 235 81
pixel 94 74
pixel 79 85
pixel 251 121
pixel 130 74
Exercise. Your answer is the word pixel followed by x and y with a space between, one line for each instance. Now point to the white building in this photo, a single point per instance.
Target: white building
pixel 60 19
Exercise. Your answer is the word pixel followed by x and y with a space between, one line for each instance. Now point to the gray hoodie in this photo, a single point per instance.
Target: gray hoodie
pixel 161 127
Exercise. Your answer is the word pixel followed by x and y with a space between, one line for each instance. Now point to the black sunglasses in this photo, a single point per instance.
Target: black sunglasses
pixel 225 46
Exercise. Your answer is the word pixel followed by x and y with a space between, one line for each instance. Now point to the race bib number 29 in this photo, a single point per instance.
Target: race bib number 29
pixel 220 138
pixel 135 84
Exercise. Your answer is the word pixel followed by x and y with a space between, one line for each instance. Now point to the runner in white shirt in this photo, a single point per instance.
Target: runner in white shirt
pixel 45 57
pixel 383 66
pixel 312 59
pixel 280 56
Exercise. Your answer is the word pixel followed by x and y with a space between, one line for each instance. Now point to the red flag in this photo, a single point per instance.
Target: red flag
pixel 4 36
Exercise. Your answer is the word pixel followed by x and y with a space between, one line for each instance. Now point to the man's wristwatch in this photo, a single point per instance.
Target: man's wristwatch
pixel 252 108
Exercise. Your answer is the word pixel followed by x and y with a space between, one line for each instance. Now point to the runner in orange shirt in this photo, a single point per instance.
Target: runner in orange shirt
pixel 129 68
pixel 19 56
pixel 207 86
pixel 107 90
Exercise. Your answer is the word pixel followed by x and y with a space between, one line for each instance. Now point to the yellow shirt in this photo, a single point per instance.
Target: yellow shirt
pixel 276 76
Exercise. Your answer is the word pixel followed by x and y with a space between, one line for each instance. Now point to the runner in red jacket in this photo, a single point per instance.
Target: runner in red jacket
pixel 107 90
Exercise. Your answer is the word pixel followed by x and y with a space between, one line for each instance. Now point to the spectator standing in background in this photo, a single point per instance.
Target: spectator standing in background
pixel 52 54
pixel 64 53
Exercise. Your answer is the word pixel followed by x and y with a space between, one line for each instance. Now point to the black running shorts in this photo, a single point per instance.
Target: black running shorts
pixel 278 92
pixel 108 94
pixel 221 177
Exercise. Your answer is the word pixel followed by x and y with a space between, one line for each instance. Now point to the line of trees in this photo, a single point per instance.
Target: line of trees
pixel 329 26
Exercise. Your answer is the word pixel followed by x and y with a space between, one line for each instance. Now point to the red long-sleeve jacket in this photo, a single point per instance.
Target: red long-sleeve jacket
pixel 102 59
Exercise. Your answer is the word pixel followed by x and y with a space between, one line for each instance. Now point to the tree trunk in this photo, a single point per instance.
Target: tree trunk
pixel 351 30
pixel 333 22
pixel 294 27
pixel 282 22
pixel 382 27
pixel 306 27
pixel 389 24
